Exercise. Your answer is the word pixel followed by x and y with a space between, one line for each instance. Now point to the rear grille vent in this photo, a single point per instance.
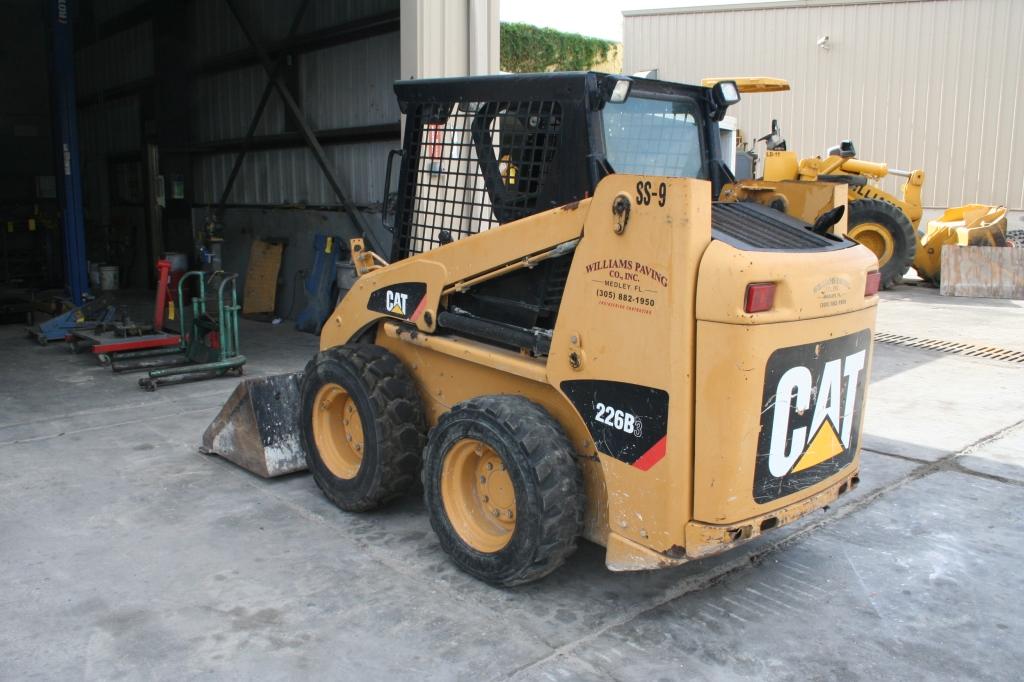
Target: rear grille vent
pixel 753 227
pixel 952 347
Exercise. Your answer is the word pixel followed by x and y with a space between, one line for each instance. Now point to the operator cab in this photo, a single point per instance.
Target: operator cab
pixel 484 151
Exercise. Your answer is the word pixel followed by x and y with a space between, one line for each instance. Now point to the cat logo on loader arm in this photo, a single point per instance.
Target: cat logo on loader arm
pixel 594 346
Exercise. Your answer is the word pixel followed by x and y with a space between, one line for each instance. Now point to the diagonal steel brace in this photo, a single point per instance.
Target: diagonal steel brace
pixel 264 99
pixel 362 225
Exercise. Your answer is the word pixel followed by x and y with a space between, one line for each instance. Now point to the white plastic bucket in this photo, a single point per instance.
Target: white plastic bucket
pixel 109 278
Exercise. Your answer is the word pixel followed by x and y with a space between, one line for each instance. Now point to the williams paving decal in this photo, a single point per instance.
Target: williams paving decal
pixel 627 421
pixel 832 292
pixel 810 414
pixel 627 284
pixel 405 300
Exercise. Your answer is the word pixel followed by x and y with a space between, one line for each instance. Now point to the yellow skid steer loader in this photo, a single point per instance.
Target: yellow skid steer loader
pixel 572 336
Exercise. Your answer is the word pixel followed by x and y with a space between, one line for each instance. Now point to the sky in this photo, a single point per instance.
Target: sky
pixel 597 18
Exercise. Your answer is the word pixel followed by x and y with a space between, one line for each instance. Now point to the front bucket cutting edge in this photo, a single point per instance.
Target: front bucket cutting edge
pixel 258 427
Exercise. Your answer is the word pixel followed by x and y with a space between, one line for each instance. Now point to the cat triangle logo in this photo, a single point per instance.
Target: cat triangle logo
pixel 396 302
pixel 824 446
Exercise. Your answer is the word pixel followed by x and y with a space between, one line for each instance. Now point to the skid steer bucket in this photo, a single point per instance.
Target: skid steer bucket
pixel 257 428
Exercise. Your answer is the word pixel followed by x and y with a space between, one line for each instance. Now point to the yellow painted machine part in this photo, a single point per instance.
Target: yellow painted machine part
pixel 448 265
pixel 910 203
pixel 782 168
pixel 876 238
pixel 872 169
pixel 630 313
pixel 969 225
pixel 449 370
pixel 338 431
pixel 780 165
pixel 736 357
pixel 804 200
pixel 751 83
pixel 477 494
pixel 834 287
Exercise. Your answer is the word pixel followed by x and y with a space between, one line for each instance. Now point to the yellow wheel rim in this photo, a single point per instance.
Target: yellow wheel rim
pixel 338 431
pixel 478 496
pixel 877 238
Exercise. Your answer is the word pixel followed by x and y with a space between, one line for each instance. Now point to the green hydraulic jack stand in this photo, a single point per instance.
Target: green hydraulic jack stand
pixel 209 345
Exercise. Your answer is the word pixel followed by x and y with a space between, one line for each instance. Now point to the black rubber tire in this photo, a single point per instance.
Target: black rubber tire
pixel 547 481
pixel 391 413
pixel 898 225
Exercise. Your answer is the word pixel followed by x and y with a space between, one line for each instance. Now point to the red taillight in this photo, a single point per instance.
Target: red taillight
pixel 873 282
pixel 760 297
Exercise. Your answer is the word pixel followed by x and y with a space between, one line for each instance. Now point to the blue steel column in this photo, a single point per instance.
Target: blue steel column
pixel 65 142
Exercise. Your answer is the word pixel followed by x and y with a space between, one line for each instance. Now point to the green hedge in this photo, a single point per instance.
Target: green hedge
pixel 527 49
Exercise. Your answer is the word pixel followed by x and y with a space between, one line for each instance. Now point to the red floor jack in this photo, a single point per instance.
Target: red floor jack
pixel 124 339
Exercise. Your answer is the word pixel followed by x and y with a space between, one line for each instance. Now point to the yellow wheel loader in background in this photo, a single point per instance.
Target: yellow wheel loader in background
pixel 888 225
pixel 573 336
pixel 884 223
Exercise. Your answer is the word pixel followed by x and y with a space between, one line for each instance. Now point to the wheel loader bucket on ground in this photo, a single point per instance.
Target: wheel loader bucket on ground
pixel 969 225
pixel 257 427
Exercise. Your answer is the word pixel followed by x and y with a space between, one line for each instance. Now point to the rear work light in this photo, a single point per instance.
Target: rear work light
pixel 760 297
pixel 873 282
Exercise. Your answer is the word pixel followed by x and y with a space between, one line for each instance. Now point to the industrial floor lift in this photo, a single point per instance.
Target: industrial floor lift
pixel 121 337
pixel 208 341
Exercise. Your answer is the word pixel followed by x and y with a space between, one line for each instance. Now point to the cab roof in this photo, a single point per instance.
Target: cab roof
pixel 561 85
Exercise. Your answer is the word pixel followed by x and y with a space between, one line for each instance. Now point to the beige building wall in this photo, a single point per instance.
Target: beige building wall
pixel 449 38
pixel 932 84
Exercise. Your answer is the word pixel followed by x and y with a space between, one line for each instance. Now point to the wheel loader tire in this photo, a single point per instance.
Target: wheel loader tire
pixel 504 492
pixel 888 232
pixel 362 426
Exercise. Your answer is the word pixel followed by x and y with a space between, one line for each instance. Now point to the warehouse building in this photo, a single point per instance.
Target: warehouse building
pixel 931 84
pixel 174 140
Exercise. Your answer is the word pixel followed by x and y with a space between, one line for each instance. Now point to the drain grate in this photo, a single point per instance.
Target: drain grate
pixel 967 349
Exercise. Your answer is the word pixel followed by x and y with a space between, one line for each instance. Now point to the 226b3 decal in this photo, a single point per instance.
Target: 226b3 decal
pixel 810 413
pixel 627 421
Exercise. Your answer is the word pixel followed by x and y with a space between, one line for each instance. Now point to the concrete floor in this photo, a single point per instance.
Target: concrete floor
pixel 125 554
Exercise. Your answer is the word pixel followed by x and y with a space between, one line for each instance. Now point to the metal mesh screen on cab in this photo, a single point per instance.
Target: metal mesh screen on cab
pixel 474 165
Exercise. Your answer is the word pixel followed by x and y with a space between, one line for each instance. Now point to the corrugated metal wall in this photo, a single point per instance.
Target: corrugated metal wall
pixel 342 86
pixel 347 85
pixel 290 176
pixel 216 32
pixel 110 125
pixel 125 57
pixel 110 128
pixel 932 84
pixel 105 10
